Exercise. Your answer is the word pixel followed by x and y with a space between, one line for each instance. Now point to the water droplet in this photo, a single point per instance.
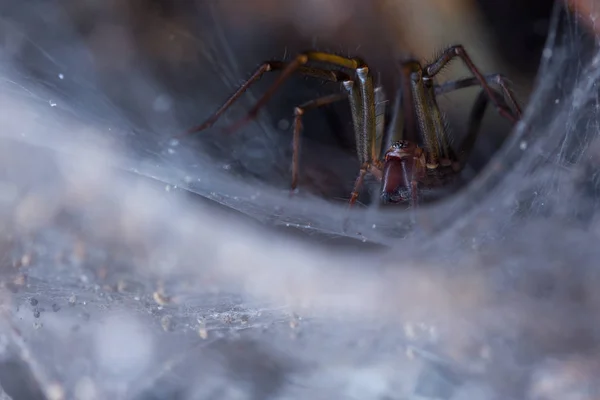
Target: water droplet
pixel 52 103
pixel 61 76
pixel 523 145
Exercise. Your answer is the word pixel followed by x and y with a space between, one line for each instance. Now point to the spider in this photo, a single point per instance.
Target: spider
pixel 414 155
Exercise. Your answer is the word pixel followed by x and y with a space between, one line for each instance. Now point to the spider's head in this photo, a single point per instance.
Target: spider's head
pixel 400 150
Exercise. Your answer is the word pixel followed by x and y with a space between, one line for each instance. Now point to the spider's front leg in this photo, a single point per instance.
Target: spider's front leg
pixel 298 64
pixel 364 119
pixel 269 66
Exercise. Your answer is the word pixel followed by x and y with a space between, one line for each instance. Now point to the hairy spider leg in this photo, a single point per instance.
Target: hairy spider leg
pixel 459 51
pixel 479 107
pixel 322 101
pixel 428 117
pixel 497 79
pixel 362 103
pixel 414 183
pixel 475 119
pixel 298 113
pixel 270 66
pixel 366 95
pixel 287 71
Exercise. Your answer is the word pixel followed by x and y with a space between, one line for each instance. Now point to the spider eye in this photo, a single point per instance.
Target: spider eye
pixel 402 144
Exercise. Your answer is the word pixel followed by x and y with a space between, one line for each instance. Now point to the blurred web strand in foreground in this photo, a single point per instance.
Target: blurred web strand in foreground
pixel 114 288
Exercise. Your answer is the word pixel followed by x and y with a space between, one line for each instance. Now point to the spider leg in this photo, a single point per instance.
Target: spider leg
pixel 369 134
pixel 358 185
pixel 414 184
pixel 362 102
pixel 423 105
pixel 364 116
pixel 366 89
pixel 270 66
pixel 475 119
pixel 458 51
pixel 497 79
pixel 298 113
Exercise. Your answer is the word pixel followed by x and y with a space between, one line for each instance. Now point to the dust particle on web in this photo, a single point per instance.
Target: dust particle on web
pixel 203 333
pixel 295 321
pixel 17 283
pixel 167 323
pixel 160 298
pixel 102 272
pixel 79 251
pixel 121 286
pixel 20 280
pixel 25 261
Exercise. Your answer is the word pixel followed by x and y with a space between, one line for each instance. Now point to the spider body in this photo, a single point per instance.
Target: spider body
pixel 410 154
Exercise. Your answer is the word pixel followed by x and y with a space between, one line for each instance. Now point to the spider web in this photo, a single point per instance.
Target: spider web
pixel 113 287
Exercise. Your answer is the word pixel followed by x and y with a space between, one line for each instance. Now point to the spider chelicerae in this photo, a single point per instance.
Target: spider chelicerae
pixel 414 153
